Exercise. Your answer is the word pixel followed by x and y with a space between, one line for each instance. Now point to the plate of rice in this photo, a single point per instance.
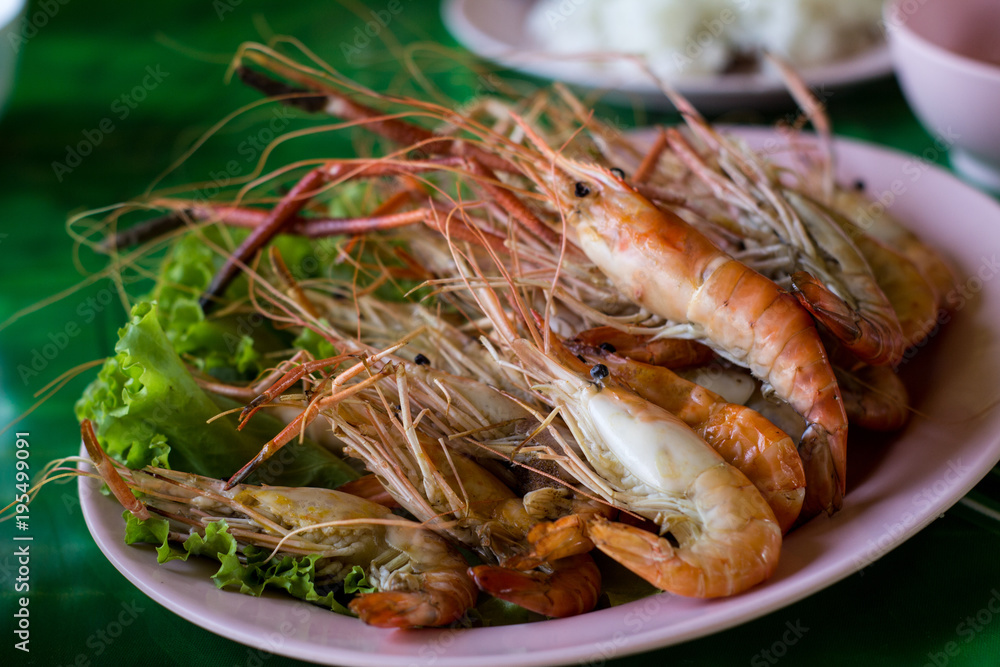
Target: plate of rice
pixel 711 51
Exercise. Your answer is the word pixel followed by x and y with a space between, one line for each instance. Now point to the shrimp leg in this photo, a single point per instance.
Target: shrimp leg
pixel 666 352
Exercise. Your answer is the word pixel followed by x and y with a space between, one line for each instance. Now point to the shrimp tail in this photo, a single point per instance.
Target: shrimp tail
pixel 656 560
pixel 444 597
pixel 864 337
pixel 825 490
pixel 572 587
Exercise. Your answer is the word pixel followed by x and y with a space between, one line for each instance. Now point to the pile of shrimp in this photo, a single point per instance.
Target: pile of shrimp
pixel 650 349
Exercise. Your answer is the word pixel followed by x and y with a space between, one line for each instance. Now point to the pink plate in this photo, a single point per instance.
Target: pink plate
pixel 894 491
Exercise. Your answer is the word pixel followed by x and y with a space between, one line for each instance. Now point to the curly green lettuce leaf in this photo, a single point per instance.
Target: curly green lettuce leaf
pixel 149 531
pixel 148 410
pixel 230 347
pixel 253 573
pixel 315 344
pixel 235 347
pixel 357 581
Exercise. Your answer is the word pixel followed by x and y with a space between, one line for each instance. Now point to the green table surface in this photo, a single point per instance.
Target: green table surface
pixel 928 602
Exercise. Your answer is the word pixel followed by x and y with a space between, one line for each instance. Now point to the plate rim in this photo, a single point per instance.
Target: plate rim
pixel 708 92
pixel 766 598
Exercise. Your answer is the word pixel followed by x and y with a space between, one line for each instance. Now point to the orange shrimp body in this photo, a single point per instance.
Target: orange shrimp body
pixel 726 538
pixel 744 438
pixel 669 268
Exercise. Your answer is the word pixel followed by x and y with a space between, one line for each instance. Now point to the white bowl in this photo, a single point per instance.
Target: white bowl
pixel 947 58
pixel 11 43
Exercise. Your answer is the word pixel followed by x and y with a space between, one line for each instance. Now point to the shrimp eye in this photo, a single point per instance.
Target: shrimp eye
pixel 421 360
pixel 607 347
pixel 582 190
pixel 620 173
pixel 599 372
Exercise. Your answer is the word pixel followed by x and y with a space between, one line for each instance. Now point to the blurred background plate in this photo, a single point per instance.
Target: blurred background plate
pixel 497 31
pixel 11 41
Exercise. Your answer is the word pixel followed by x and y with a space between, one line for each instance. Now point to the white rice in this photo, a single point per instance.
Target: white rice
pixel 697 37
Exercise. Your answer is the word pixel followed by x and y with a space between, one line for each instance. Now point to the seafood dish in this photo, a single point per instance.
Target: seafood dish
pixel 453 378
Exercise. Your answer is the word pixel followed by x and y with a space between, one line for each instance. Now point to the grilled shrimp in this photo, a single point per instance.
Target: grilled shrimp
pixel 666 266
pixel 398 425
pixel 872 219
pixel 744 438
pixel 641 457
pixel 438 485
pixel 910 293
pixel 843 294
pixel 422 580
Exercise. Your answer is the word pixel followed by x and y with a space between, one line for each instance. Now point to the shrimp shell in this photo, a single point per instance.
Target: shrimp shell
pixel 666 266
